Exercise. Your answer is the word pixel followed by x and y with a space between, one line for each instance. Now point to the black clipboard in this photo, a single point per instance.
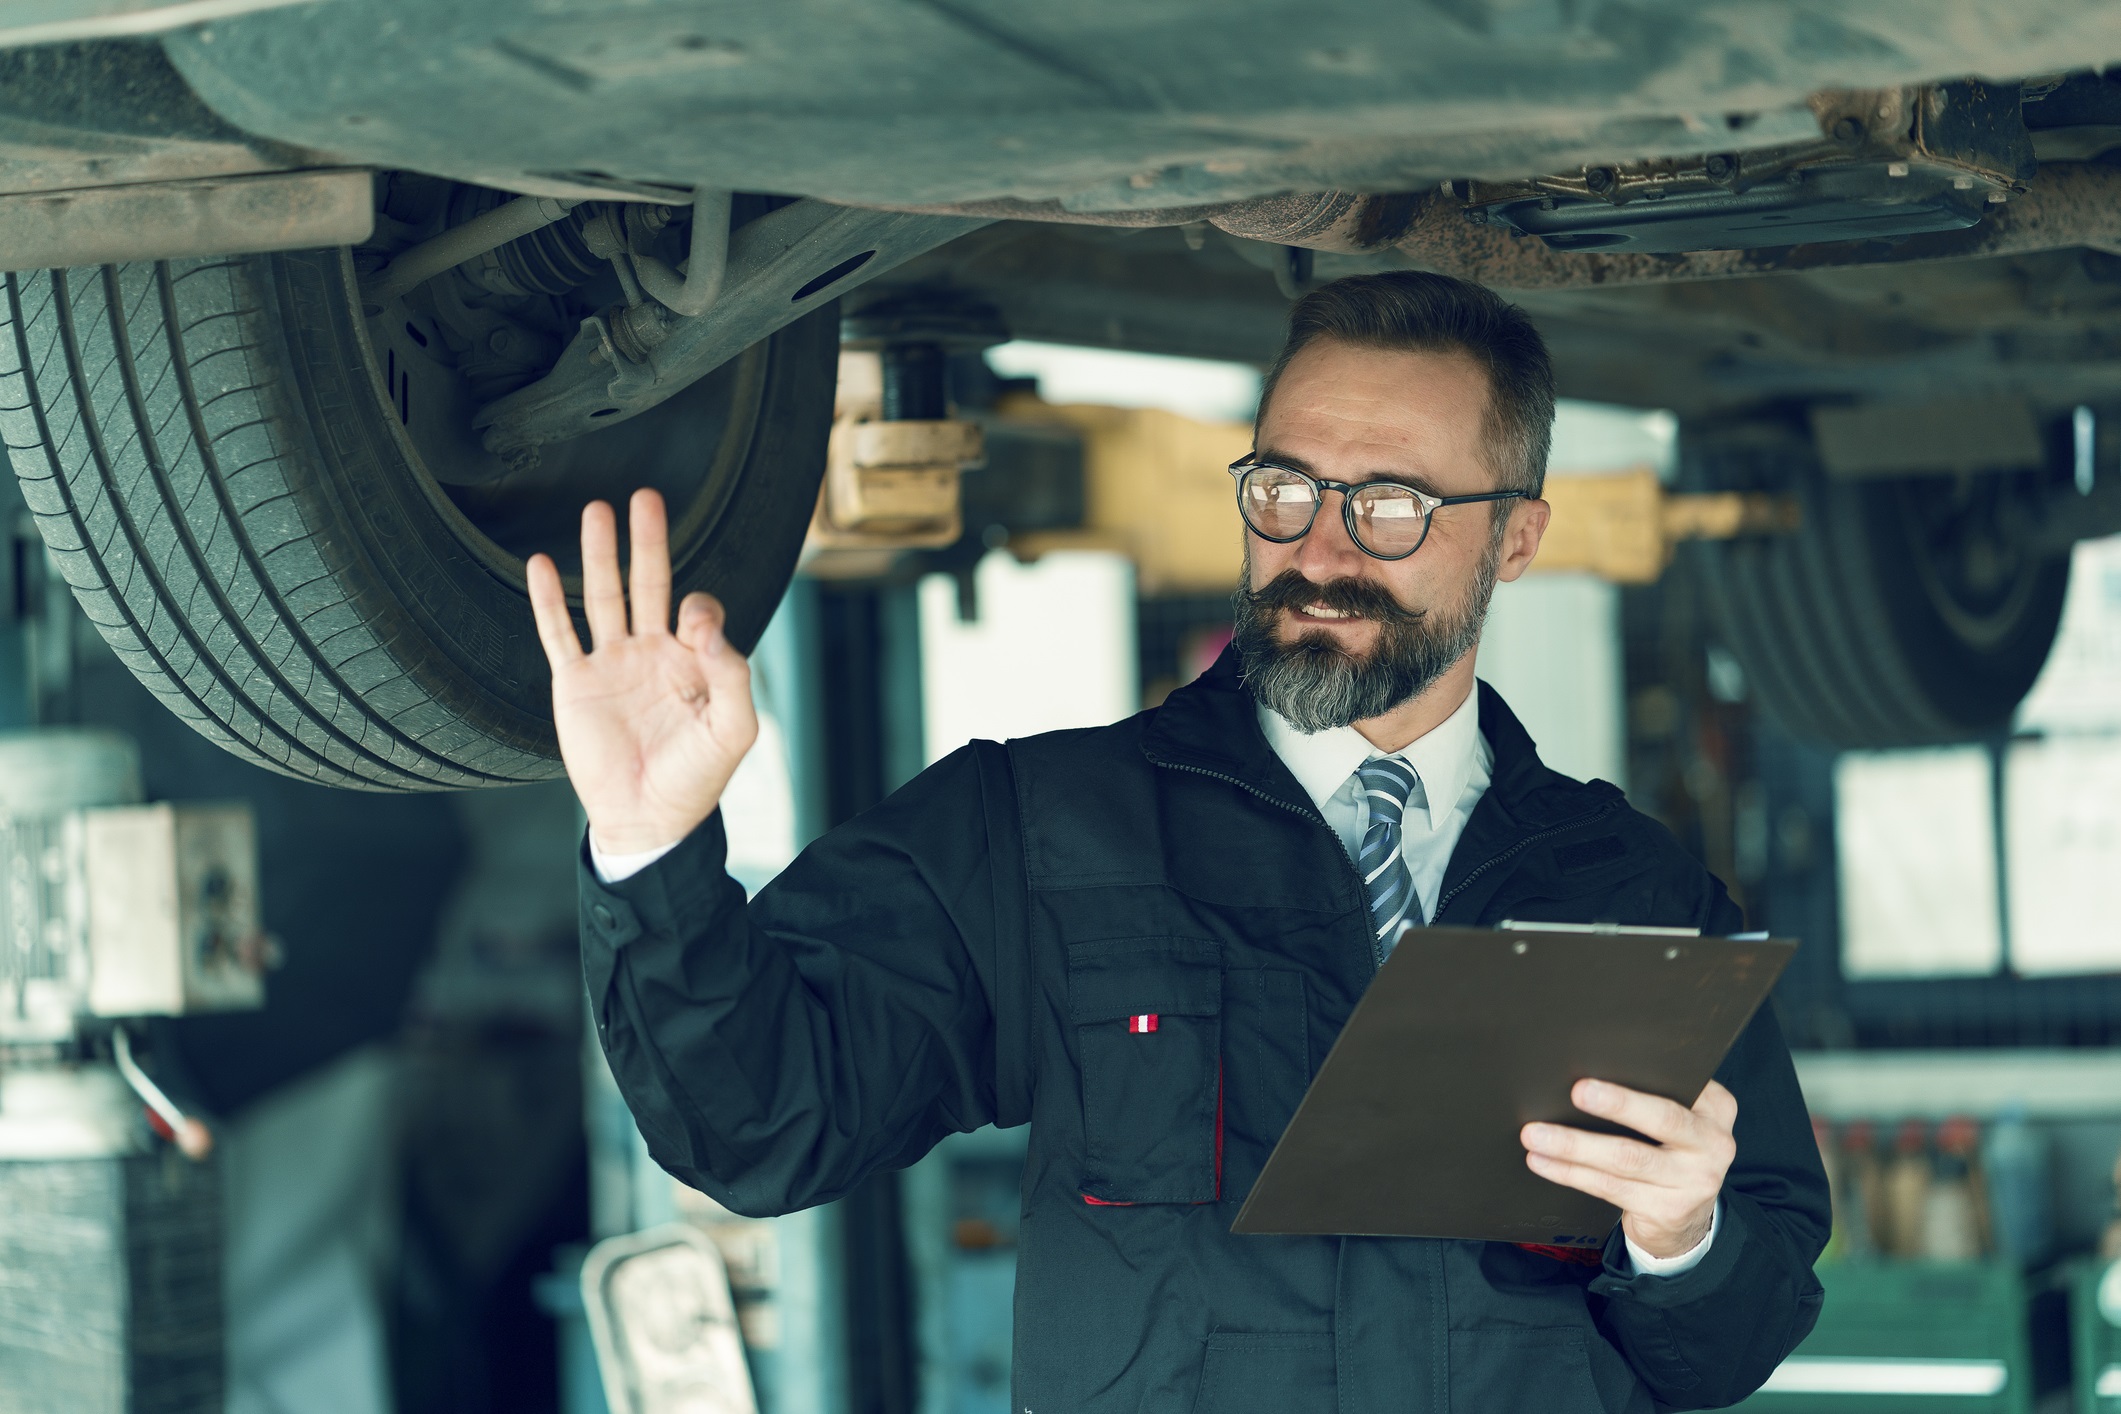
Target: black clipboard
pixel 1410 1128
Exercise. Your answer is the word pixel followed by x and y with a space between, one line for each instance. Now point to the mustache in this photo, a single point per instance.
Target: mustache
pixel 1357 597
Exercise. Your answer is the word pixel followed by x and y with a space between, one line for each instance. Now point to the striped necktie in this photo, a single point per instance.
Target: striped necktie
pixel 1390 785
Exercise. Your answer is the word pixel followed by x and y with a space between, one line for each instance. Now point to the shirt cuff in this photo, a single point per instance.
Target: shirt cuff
pixel 1673 1266
pixel 611 868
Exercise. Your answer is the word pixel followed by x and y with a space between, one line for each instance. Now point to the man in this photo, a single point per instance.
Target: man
pixel 1142 939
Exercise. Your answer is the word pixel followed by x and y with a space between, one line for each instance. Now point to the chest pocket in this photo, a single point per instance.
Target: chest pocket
pixel 1147 1014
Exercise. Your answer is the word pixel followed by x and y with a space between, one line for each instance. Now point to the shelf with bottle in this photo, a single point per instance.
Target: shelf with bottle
pixel 1950 1191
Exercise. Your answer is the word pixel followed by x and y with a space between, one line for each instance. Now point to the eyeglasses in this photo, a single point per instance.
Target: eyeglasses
pixel 1386 520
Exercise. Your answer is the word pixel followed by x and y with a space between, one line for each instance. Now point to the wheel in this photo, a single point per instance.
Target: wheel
pixel 263 500
pixel 1905 612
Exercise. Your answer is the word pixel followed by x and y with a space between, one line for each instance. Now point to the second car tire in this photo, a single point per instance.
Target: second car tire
pixel 1903 612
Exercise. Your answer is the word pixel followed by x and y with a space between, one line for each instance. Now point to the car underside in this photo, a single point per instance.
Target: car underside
pixel 326 314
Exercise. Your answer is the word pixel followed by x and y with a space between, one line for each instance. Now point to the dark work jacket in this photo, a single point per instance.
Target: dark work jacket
pixel 967 953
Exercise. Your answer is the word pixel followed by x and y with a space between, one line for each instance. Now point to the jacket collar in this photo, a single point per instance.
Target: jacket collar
pixel 1211 725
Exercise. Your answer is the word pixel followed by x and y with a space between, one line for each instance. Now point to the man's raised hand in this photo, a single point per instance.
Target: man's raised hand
pixel 652 723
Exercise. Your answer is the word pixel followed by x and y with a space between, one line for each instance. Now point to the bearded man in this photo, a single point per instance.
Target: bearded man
pixel 1141 939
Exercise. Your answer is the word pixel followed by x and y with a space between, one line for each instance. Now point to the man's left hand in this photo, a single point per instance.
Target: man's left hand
pixel 1666 1190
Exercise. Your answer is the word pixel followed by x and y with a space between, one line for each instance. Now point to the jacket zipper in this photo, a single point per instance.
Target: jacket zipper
pixel 1377 957
pixel 1514 850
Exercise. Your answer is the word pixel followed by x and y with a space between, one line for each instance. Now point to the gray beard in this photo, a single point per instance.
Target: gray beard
pixel 1317 685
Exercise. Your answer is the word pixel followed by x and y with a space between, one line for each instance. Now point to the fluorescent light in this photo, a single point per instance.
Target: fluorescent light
pixel 1834 1374
pixel 2109 1386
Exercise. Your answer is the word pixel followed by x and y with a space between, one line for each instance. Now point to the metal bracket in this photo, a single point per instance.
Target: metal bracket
pixel 781 266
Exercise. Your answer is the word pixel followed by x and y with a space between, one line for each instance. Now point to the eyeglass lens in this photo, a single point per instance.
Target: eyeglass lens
pixel 1280 504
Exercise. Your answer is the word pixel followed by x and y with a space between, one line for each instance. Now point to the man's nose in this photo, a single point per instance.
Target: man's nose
pixel 1327 552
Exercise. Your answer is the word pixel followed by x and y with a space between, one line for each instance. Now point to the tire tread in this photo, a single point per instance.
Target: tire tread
pixel 126 393
pixel 198 446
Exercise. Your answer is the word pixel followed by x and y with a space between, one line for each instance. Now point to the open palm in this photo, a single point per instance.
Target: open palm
pixel 651 723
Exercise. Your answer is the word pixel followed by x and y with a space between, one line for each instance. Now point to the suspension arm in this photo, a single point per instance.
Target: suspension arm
pixel 781 266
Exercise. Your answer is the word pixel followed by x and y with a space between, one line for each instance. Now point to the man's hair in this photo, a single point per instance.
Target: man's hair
pixel 1419 312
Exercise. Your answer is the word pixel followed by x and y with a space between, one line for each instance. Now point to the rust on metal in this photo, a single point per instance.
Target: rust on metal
pixel 2064 205
pixel 1341 222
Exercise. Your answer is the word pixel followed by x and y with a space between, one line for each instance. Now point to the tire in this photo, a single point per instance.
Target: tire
pixel 1903 613
pixel 228 481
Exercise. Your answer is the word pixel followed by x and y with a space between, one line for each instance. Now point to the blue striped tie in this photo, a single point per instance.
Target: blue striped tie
pixel 1389 784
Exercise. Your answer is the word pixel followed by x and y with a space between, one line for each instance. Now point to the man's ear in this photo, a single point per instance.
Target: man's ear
pixel 1520 538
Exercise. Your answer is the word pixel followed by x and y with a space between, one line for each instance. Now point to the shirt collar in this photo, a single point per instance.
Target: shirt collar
pixel 1323 761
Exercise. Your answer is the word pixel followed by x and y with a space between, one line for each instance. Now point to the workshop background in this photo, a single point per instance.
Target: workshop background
pixel 417 1143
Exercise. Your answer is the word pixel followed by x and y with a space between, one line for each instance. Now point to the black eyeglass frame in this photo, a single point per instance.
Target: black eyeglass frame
pixel 1429 504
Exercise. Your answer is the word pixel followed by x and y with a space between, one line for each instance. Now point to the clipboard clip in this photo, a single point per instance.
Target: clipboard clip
pixel 1512 925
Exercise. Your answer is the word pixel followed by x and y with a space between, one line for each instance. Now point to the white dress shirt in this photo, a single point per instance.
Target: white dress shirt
pixel 611 868
pixel 1454 764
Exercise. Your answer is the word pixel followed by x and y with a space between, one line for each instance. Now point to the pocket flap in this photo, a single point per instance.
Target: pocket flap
pixel 1121 977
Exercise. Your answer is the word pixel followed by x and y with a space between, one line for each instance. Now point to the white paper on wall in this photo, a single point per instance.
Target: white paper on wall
pixel 1915 833
pixel 2062 832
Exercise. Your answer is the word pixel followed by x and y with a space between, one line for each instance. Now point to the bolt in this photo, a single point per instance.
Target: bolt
pixel 637 330
pixel 1546 203
pixel 649 217
pixel 1720 166
pixel 1599 179
pixel 1848 131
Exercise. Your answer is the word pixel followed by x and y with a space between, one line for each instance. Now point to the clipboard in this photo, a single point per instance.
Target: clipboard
pixel 1410 1127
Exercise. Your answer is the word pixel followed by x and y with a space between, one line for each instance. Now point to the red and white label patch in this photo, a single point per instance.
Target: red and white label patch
pixel 1141 1025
